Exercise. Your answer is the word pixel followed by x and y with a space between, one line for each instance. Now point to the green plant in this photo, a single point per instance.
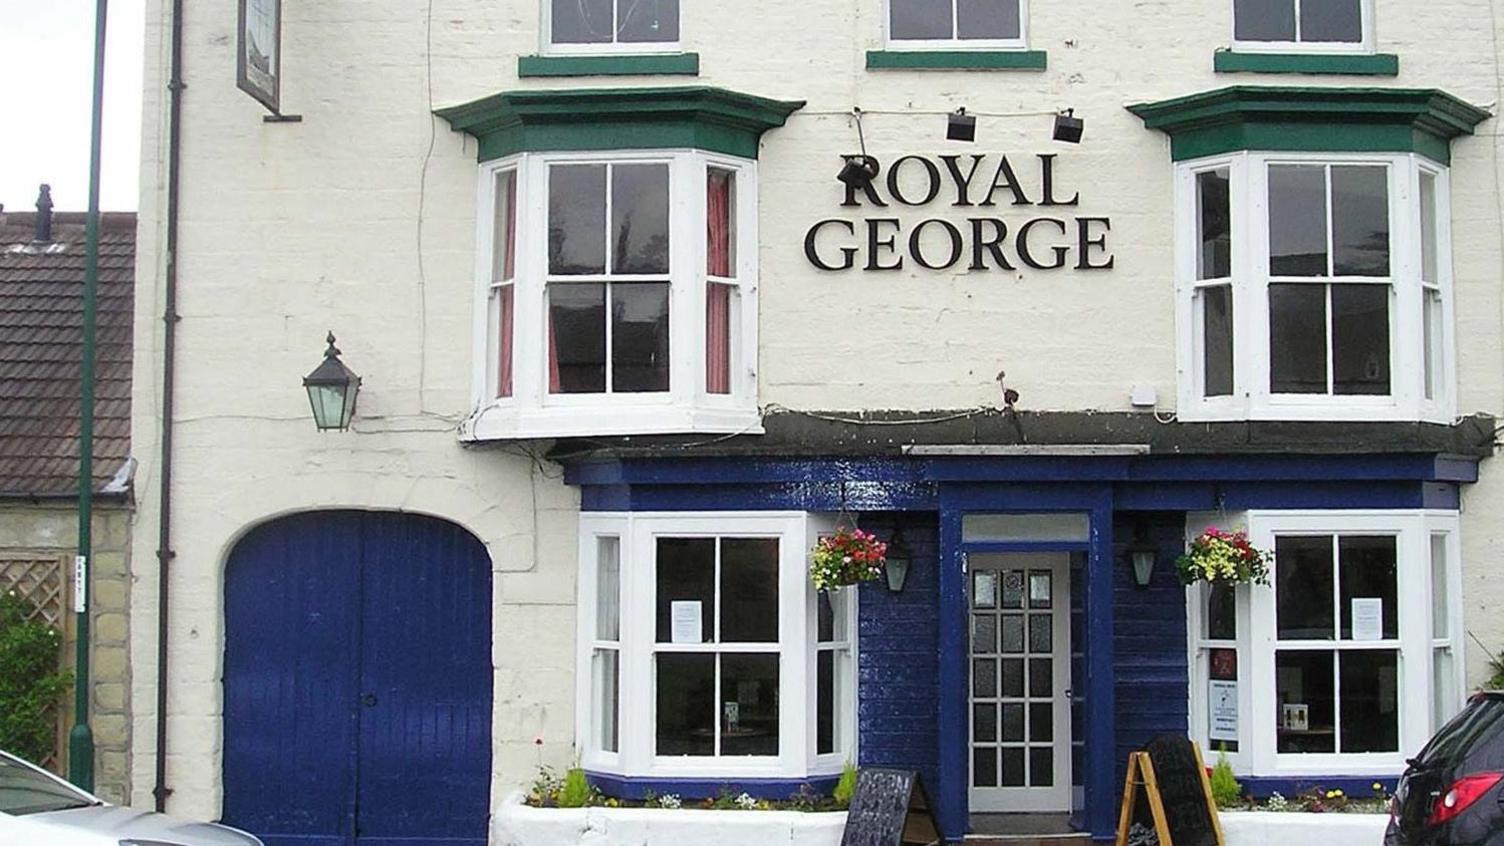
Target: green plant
pixel 805 799
pixel 575 793
pixel 846 787
pixel 31 682
pixel 1225 788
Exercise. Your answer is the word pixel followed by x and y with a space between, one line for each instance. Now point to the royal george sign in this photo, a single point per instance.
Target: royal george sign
pixel 996 219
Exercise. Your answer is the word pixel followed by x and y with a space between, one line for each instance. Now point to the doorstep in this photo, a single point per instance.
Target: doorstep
pixel 516 824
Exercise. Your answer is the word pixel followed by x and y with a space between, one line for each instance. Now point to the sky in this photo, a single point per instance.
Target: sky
pixel 47 63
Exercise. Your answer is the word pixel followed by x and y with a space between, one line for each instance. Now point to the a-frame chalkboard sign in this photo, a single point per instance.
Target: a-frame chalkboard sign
pixel 1167 797
pixel 889 808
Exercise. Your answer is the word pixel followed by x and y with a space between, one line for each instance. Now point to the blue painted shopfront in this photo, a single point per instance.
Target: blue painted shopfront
pixel 1131 666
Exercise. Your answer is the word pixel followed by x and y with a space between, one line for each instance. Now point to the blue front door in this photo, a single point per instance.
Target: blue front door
pixel 357 682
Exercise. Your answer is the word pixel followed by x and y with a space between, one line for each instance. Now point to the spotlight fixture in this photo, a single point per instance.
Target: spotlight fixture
pixel 960 126
pixel 859 169
pixel 1068 127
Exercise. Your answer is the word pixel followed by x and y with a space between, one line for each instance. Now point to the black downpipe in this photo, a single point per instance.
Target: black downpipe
pixel 169 347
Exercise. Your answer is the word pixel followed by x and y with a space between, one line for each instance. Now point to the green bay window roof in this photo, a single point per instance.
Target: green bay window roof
pixel 701 117
pixel 1309 119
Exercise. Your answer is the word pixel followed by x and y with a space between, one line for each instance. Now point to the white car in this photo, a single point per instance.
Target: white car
pixel 39 809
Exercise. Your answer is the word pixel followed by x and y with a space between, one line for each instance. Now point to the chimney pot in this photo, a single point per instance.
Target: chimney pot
pixel 44 214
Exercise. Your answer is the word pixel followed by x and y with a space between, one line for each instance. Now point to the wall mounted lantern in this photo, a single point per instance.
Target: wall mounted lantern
pixel 1068 127
pixel 960 126
pixel 332 388
pixel 1141 555
pixel 898 559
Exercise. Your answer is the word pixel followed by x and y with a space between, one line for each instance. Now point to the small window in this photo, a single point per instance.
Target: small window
pixel 605 659
pixel 503 274
pixel 1212 301
pixel 1300 22
pixel 969 23
pixel 652 23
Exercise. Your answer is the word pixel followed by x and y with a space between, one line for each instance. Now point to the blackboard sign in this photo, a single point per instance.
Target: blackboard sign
pixel 889 808
pixel 1167 797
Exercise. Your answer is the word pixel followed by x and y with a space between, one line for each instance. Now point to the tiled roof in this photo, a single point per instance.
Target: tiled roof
pixel 41 344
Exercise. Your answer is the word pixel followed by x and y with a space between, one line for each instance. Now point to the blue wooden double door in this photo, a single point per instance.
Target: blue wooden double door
pixel 357 682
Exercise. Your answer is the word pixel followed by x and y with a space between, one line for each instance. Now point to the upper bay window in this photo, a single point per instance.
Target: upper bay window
pixel 618 281
pixel 957 24
pixel 1318 287
pixel 1304 25
pixel 612 26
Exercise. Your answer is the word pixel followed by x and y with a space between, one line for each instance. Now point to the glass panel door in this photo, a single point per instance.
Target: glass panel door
pixel 1020 671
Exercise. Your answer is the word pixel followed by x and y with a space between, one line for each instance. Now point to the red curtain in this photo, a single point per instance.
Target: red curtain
pixel 504 341
pixel 554 384
pixel 717 296
pixel 509 264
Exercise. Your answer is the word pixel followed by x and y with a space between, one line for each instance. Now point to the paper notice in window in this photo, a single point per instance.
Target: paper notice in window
pixel 1223 710
pixel 687 621
pixel 1368 619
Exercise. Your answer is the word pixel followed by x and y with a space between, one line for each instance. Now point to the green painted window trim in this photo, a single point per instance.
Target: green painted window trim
pixel 1310 119
pixel 1374 64
pixel 697 117
pixel 1033 60
pixel 676 64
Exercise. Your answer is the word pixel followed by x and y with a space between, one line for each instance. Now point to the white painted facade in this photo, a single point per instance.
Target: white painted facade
pixel 363 219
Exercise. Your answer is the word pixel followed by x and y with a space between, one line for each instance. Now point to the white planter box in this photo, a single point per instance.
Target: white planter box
pixel 516 824
pixel 1264 828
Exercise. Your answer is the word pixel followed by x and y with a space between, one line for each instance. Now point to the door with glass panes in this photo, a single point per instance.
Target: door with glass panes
pixel 1020 682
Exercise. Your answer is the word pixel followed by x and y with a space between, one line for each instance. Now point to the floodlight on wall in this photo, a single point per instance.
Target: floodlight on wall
pixel 858 169
pixel 960 126
pixel 332 388
pixel 1068 127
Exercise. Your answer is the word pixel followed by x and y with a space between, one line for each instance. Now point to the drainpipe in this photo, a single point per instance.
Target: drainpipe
pixel 81 738
pixel 169 347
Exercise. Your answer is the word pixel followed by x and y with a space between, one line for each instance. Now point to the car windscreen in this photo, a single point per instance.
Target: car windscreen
pixel 1480 721
pixel 23 790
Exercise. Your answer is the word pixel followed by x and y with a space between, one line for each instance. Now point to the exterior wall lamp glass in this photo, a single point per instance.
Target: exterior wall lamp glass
pixel 332 388
pixel 1142 555
pixel 898 559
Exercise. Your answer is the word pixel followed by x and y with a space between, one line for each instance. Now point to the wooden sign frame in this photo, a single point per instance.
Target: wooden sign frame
pixel 1141 775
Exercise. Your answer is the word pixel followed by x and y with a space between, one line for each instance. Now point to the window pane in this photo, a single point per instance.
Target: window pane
pixel 1041 722
pixel 577 338
pixel 1297 338
pixel 1013 677
pixel 720 304
pixel 1221 611
pixel 1214 220
pixel 749 590
pixel 1443 688
pixel 1367 572
pixel 1013 722
pixel 984 678
pixel 505 333
pixel 984 767
pixel 639 218
pixel 647 20
pixel 1428 226
pixel 831 616
pixel 984 722
pixel 1360 221
pixel 720 222
pixel 576 219
pixel 1264 20
pixel 1041 677
pixel 686 704
pixel 1041 584
pixel 1360 339
pixel 608 589
pixel 1331 20
pixel 1305 719
pixel 608 698
pixel 1303 588
pixel 1297 220
pixel 1432 329
pixel 1013 588
pixel 1026 527
pixel 1013 634
pixel 984 633
pixel 686 573
pixel 581 21
pixel 749 704
pixel 919 19
pixel 1216 334
pixel 1013 767
pixel 504 246
pixel 1441 605
pixel 1039 634
pixel 826 702
pixel 1370 701
pixel 1041 766
pixel 639 336
pixel 987 19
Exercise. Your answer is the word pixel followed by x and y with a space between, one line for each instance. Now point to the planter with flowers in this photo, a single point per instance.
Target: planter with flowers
pixel 1226 558
pixel 847 556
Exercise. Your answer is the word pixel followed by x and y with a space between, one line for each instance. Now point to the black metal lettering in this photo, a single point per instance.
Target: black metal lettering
pixel 873 243
pixel 932 172
pixel 1026 255
pixel 1085 243
pixel 992 245
pixel 915 245
pixel 848 254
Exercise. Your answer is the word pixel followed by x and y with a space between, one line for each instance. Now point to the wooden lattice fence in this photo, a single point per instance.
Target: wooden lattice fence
pixel 40 581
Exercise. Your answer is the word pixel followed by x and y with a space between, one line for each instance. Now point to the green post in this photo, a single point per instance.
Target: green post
pixel 81 739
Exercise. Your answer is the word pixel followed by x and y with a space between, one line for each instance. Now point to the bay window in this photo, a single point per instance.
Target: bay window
pixel 1325 25
pixel 707 652
pixel 620 284
pixel 1343 663
pixel 1314 287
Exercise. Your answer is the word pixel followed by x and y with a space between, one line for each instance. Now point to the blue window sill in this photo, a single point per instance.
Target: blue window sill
pixel 1343 64
pixel 1026 60
pixel 674 64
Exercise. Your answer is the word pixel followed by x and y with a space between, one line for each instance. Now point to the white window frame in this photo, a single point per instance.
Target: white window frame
pixel 955 42
pixel 1362 46
pixel 1251 398
pixel 1256 643
pixel 687 407
pixel 797 647
pixel 612 47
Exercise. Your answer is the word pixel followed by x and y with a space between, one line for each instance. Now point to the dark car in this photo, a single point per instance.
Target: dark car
pixel 1452 794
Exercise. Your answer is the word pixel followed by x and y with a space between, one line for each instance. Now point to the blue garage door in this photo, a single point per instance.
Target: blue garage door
pixel 357 682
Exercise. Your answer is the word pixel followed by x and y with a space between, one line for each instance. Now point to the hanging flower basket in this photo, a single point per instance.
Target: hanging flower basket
pixel 845 558
pixel 1225 558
